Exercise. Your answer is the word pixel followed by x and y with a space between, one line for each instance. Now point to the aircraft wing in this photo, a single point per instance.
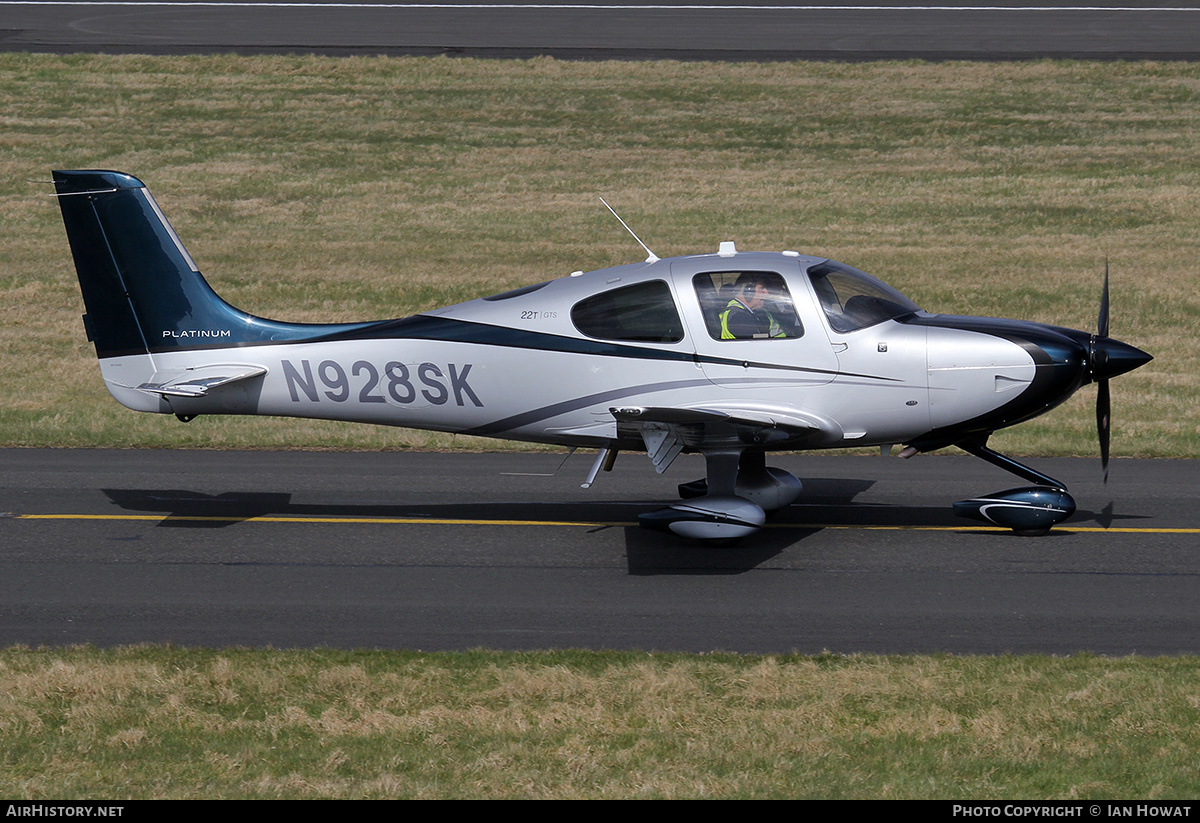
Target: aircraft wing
pixel 667 431
pixel 199 381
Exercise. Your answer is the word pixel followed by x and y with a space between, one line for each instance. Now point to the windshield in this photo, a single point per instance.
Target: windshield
pixel 854 300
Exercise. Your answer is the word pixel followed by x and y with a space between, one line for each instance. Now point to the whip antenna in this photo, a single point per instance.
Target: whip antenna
pixel 653 258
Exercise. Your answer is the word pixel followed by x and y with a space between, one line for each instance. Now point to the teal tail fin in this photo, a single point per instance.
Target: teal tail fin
pixel 142 290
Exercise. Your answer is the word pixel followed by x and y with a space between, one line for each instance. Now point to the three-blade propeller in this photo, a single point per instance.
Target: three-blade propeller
pixel 1103 401
pixel 1108 358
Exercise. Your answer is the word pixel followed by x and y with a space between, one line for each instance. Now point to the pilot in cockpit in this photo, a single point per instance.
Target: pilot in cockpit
pixel 747 315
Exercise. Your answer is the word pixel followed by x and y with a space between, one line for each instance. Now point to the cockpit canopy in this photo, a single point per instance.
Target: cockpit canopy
pixel 736 304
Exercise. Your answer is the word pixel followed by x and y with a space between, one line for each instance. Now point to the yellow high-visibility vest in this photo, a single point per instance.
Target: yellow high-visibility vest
pixel 773 327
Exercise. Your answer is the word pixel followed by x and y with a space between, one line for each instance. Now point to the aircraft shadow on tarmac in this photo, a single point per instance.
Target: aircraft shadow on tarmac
pixel 647 552
pixel 182 508
pixel 827 503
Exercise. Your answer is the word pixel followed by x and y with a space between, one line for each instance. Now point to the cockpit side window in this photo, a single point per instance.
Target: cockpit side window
pixel 643 312
pixel 747 305
pixel 854 300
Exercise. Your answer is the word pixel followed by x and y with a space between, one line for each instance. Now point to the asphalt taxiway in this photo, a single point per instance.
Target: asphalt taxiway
pixel 871 30
pixel 455 551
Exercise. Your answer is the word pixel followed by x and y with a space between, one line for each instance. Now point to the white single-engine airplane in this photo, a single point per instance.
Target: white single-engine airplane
pixel 731 355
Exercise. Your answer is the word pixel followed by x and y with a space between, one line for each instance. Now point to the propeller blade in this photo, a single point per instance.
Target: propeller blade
pixel 1102 324
pixel 1103 424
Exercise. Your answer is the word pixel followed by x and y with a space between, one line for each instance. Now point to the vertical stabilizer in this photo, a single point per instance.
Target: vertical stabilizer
pixel 142 290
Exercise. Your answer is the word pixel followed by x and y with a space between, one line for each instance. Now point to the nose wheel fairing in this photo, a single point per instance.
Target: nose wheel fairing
pixel 1029 510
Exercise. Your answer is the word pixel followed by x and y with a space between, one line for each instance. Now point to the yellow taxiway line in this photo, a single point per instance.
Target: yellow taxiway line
pixel 438 521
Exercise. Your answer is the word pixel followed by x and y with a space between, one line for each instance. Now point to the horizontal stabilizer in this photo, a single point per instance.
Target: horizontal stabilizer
pixel 199 381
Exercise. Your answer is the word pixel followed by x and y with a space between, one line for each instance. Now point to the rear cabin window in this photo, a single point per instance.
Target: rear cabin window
pixel 643 312
pixel 747 305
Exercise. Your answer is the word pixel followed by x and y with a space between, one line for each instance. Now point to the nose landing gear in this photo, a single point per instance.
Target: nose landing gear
pixel 1029 510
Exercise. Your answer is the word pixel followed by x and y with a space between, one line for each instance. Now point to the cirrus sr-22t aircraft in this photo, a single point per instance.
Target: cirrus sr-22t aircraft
pixel 731 355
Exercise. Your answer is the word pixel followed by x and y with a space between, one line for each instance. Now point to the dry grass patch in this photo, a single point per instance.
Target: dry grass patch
pixel 154 722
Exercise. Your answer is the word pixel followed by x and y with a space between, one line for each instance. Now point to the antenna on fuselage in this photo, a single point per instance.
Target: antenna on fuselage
pixel 653 258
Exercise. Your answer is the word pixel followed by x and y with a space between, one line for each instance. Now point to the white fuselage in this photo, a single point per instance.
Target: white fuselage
pixel 535 376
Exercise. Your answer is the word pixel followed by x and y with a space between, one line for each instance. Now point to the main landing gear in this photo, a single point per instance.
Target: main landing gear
pixel 731 502
pixel 740 489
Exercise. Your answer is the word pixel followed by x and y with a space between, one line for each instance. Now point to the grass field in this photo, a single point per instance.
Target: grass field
pixel 313 188
pixel 173 723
